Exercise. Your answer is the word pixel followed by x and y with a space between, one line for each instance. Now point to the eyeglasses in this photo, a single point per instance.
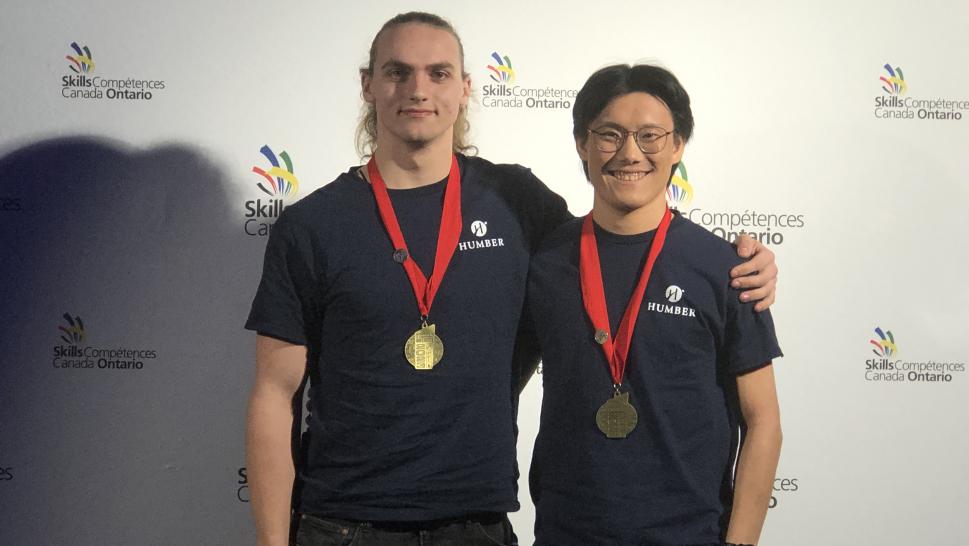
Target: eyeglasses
pixel 649 139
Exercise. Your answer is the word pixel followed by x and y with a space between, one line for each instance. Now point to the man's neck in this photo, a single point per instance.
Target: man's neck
pixel 403 167
pixel 623 222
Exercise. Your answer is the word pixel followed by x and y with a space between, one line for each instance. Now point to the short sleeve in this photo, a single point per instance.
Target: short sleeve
pixel 287 301
pixel 749 338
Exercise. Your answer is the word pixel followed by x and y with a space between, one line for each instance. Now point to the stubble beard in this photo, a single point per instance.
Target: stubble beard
pixel 417 144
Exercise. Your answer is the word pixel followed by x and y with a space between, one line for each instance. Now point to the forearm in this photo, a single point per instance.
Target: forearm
pixel 754 483
pixel 269 463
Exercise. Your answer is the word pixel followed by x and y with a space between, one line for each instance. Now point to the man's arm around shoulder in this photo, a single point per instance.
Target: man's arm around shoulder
pixel 280 367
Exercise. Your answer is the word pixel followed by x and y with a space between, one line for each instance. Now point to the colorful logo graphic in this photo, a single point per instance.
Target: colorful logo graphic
pixel 894 84
pixel 280 181
pixel 73 332
pixel 503 73
pixel 83 62
pixel 679 193
pixel 885 344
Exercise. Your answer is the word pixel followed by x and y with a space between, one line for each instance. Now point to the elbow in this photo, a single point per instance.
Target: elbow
pixel 767 430
pixel 772 429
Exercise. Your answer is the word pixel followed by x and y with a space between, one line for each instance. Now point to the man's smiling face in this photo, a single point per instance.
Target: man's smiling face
pixel 627 180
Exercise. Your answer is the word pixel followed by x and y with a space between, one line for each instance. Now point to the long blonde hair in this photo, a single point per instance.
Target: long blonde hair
pixel 366 137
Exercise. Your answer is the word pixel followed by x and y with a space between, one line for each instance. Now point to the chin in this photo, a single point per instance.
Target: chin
pixel 417 143
pixel 634 200
pixel 422 139
pixel 630 204
pixel 629 208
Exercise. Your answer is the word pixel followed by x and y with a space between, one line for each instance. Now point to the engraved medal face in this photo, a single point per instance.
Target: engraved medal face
pixel 424 349
pixel 617 417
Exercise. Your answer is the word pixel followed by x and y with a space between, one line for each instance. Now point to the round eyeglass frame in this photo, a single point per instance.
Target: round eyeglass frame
pixel 625 135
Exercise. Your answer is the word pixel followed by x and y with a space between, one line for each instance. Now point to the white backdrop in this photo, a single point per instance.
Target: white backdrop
pixel 124 234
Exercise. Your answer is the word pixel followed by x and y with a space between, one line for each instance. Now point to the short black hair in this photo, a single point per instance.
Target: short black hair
pixel 611 82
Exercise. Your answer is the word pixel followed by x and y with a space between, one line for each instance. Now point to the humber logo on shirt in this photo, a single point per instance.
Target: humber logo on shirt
pixel 673 295
pixel 479 228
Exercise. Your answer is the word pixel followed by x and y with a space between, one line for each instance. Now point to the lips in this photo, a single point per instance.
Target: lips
pixel 417 112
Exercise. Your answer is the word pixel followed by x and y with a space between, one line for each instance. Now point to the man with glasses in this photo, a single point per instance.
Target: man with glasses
pixel 376 287
pixel 651 364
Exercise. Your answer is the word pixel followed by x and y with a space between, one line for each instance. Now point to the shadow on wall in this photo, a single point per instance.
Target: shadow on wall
pixel 147 247
pixel 94 219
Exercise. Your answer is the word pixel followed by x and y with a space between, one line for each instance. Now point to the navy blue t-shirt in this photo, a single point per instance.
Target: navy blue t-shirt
pixel 386 442
pixel 670 481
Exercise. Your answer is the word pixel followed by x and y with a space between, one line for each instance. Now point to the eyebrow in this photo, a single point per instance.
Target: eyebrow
pixel 394 63
pixel 616 125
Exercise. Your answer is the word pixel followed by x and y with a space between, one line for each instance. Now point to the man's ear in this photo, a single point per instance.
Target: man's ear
pixel 580 148
pixel 365 79
pixel 466 94
pixel 680 148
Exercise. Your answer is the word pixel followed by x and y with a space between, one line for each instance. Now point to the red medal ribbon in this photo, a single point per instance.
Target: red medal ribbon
pixel 447 237
pixel 594 296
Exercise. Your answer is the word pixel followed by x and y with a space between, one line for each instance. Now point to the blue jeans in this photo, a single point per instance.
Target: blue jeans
pixel 472 531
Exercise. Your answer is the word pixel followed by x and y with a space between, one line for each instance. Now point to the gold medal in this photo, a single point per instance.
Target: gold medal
pixel 617 417
pixel 424 349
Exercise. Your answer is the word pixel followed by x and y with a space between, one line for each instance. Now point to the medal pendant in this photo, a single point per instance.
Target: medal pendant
pixel 424 349
pixel 617 417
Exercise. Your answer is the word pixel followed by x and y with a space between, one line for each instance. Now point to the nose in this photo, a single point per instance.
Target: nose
pixel 417 86
pixel 630 152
